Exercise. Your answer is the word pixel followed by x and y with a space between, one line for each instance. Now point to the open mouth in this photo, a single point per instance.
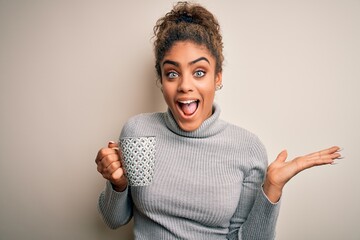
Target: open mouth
pixel 188 107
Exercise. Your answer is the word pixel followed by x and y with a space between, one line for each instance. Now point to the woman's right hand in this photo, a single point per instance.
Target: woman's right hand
pixel 108 161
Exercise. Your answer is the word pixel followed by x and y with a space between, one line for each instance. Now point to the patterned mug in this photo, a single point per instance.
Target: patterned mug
pixel 138 159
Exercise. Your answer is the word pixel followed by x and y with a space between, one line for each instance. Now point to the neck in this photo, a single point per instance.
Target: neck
pixel 209 127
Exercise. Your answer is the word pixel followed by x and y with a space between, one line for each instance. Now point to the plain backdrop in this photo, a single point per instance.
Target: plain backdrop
pixel 72 72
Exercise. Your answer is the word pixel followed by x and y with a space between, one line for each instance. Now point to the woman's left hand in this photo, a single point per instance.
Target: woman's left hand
pixel 280 172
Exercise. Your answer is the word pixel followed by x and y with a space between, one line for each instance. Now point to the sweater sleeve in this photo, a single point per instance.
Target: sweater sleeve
pixel 255 217
pixel 115 207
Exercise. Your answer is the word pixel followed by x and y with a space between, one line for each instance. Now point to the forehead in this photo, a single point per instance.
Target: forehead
pixel 187 50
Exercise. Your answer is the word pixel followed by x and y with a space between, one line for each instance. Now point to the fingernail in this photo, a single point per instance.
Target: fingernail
pixel 340 149
pixel 111 142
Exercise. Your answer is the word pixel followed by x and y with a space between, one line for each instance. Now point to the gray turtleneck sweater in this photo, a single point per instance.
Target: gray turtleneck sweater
pixel 206 185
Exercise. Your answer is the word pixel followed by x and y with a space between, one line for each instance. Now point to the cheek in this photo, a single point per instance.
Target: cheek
pixel 167 93
pixel 208 83
pixel 208 89
pixel 210 97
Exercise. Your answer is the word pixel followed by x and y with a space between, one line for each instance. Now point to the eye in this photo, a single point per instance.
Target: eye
pixel 199 73
pixel 172 75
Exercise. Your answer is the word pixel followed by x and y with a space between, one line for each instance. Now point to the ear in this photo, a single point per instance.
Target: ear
pixel 218 79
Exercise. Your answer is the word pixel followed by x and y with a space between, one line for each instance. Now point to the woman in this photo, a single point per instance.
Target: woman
pixel 212 179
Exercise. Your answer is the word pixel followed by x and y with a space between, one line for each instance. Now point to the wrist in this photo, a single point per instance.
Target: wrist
pixel 120 186
pixel 272 192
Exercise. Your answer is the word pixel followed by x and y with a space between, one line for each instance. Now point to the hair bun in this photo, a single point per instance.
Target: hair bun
pixel 185 17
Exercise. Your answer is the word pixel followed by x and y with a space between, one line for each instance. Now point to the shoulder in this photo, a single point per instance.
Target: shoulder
pixel 241 133
pixel 142 124
pixel 249 142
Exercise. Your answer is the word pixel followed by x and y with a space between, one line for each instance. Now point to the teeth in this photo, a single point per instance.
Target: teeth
pixel 187 101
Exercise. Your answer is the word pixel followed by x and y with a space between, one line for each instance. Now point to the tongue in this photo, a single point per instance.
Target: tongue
pixel 190 108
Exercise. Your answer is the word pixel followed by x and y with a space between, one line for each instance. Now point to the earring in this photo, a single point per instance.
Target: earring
pixel 219 87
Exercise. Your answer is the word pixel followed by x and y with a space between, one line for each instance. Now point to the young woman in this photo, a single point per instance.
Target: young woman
pixel 212 179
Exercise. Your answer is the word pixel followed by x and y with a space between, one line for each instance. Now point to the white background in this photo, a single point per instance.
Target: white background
pixel 72 72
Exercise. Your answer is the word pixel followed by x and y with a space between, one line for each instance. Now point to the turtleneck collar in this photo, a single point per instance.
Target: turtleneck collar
pixel 209 127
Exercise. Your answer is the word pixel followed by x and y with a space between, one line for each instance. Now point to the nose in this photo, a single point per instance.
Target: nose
pixel 186 84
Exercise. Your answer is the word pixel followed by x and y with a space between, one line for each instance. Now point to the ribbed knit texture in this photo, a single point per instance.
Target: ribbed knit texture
pixel 207 184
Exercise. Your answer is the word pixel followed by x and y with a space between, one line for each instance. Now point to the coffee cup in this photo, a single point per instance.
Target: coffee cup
pixel 138 159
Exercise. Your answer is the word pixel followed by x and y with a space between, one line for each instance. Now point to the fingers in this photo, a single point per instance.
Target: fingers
pixel 104 152
pixel 114 173
pixel 325 151
pixel 323 157
pixel 111 149
pixel 108 160
pixel 117 175
pixel 282 156
pixel 113 145
pixel 110 170
pixel 110 157
pixel 281 171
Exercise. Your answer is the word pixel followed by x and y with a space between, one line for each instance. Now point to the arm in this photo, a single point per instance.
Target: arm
pixel 115 203
pixel 115 207
pixel 256 216
pixel 259 206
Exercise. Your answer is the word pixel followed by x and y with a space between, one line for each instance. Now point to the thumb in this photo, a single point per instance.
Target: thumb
pixel 113 145
pixel 282 156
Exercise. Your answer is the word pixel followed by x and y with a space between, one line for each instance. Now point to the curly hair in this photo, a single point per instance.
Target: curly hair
pixel 188 22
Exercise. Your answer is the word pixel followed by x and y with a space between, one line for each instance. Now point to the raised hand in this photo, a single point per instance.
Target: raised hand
pixel 280 172
pixel 109 165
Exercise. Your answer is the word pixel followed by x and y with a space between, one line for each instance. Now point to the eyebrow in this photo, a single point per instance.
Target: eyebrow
pixel 171 63
pixel 199 59
pixel 190 63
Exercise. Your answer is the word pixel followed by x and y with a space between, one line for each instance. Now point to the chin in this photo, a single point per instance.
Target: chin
pixel 188 127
